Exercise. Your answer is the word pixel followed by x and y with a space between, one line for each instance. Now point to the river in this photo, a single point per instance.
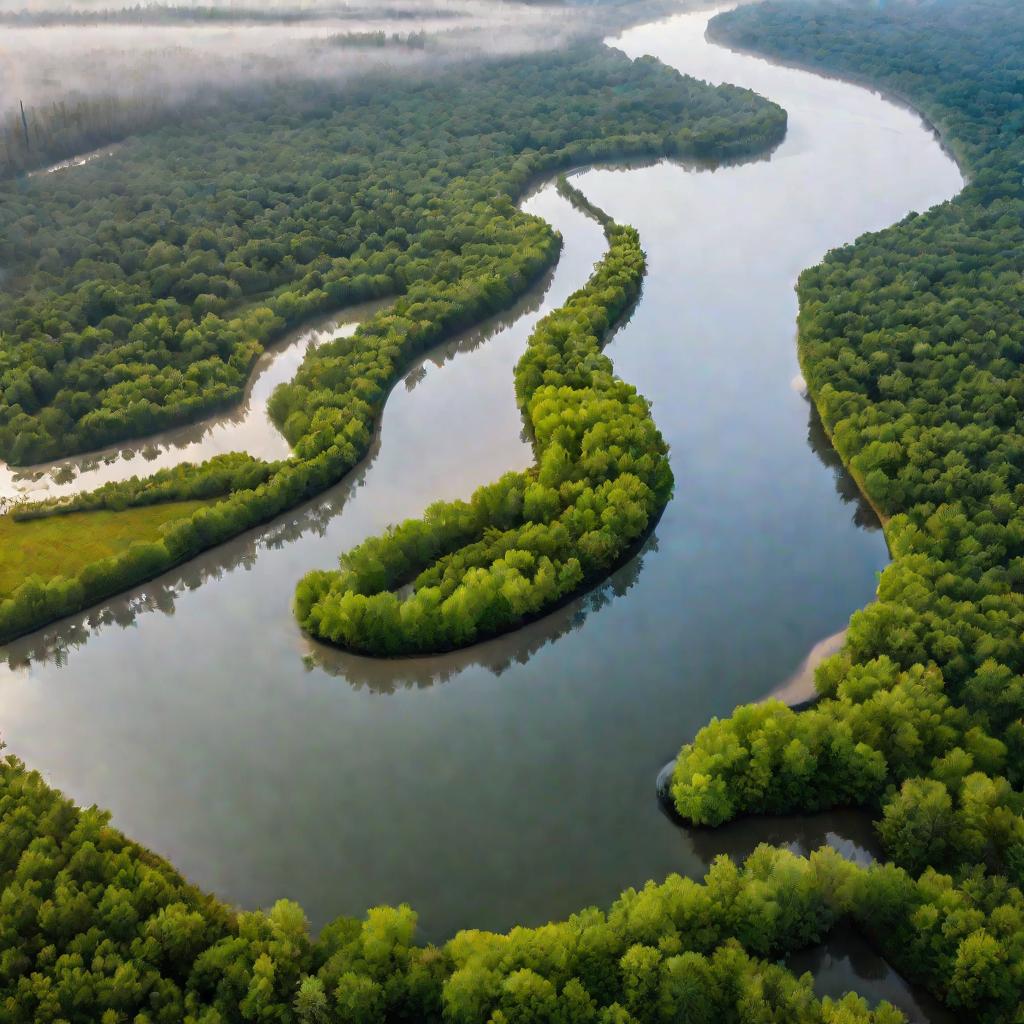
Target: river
pixel 244 427
pixel 513 782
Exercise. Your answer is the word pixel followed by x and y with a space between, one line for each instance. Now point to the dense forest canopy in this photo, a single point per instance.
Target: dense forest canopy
pixel 177 278
pixel 96 929
pixel 138 296
pixel 911 342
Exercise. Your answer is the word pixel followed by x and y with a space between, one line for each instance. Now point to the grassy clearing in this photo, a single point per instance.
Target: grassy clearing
pixel 63 545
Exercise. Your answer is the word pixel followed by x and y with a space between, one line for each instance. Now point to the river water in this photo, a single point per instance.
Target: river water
pixel 513 782
pixel 244 427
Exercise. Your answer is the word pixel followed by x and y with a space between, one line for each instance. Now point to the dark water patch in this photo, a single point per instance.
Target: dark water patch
pixel 846 962
pixel 848 831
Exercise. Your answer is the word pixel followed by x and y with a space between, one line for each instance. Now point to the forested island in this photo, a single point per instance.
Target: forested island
pixel 142 299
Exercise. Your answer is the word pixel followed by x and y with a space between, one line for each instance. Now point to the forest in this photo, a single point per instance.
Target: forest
pixel 97 929
pixel 140 299
pixel 527 542
pixel 910 340
pixel 395 187
pixel 33 137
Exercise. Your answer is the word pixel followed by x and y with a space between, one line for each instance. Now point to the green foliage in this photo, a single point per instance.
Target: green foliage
pixel 521 545
pixel 95 928
pixel 386 188
pixel 911 342
pixel 138 297
pixel 50 547
pixel 380 39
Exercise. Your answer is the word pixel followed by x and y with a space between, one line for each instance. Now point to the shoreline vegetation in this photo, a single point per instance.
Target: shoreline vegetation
pixel 41 489
pixel 471 254
pixel 799 689
pixel 534 540
pixel 159 948
pixel 910 340
pixel 922 716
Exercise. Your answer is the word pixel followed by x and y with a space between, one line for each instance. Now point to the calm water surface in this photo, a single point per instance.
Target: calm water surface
pixel 514 782
pixel 244 427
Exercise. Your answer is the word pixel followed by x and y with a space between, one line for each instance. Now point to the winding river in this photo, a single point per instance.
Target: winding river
pixel 512 783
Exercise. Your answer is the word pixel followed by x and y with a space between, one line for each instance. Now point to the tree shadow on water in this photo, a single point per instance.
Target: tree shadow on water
pixel 389 675
pixel 864 516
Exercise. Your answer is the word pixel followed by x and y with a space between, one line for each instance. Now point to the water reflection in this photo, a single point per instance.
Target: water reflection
pixel 75 161
pixel 848 830
pixel 846 961
pixel 381 675
pixel 864 516
pixel 245 426
pixel 55 643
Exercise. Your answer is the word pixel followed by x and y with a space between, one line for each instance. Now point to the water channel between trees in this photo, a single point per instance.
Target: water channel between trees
pixel 513 782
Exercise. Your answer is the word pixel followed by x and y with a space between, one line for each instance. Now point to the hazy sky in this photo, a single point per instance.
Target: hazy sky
pixel 40 64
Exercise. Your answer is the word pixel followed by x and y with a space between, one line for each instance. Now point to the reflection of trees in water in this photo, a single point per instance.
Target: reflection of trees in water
pixel 383 675
pixel 847 950
pixel 470 340
pixel 692 165
pixel 850 831
pixel 864 515
pixel 847 961
pixel 56 642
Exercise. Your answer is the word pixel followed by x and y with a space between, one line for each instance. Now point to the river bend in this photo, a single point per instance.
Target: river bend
pixel 512 783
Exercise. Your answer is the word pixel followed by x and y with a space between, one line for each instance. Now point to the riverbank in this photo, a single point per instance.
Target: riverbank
pixel 933 123
pixel 244 426
pixel 475 779
pixel 716 34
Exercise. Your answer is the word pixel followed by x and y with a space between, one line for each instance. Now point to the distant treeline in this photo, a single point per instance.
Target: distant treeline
pixel 155 14
pixel 139 299
pixel 374 40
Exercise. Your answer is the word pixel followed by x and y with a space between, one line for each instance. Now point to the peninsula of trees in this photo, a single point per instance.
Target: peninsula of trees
pixel 911 341
pixel 140 297
pixel 523 544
